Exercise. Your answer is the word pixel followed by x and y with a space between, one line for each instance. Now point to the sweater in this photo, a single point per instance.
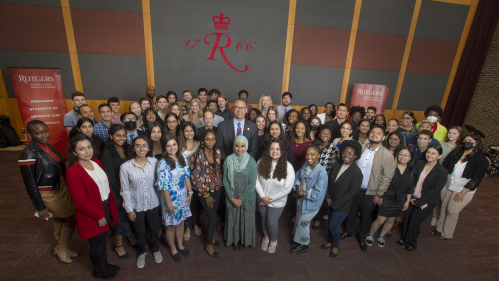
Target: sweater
pixel 87 199
pixel 274 189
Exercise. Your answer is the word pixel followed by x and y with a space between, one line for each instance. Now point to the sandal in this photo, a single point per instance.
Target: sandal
pixel 435 232
pixel 133 245
pixel 400 242
pixel 187 236
pixel 198 230
pixel 409 248
pixel 125 256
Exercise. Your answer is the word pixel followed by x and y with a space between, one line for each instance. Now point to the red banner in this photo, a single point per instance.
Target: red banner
pixel 40 96
pixel 370 95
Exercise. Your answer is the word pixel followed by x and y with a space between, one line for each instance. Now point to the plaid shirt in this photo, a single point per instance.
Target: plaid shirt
pixel 185 109
pixel 101 130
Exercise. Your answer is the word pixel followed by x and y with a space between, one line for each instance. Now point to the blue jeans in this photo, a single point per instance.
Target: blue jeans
pixel 335 219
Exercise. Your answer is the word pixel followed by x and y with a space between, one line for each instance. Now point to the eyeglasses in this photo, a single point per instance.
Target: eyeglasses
pixel 347 153
pixel 213 106
pixel 243 97
pixel 171 122
pixel 187 95
pixel 344 128
pixel 239 107
pixel 128 119
pixel 141 145
pixel 150 114
pixel 286 98
pixel 404 155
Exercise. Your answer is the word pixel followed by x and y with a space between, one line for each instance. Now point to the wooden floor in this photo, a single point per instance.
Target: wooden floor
pixel 26 246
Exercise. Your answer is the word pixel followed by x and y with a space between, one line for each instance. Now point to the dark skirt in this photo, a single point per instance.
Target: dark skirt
pixel 124 227
pixel 391 207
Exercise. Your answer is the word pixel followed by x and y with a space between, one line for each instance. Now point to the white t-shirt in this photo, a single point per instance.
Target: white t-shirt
pixel 100 178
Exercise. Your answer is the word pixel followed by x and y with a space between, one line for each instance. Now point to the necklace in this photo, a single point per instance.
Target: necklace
pixel 48 149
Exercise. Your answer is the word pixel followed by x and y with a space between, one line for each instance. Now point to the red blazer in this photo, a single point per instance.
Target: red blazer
pixel 88 202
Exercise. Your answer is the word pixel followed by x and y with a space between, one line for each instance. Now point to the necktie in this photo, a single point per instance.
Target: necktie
pixel 238 129
pixel 285 110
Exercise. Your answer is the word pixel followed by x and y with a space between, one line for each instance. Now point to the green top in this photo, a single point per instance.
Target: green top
pixel 249 194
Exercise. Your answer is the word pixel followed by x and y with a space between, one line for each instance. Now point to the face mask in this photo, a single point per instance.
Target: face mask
pixel 314 127
pixel 467 145
pixel 432 119
pixel 422 143
pixel 131 125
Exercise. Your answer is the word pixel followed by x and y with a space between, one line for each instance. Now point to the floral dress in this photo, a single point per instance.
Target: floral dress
pixel 174 182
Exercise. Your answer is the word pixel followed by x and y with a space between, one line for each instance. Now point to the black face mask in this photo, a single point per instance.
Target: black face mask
pixel 314 127
pixel 467 145
pixel 130 125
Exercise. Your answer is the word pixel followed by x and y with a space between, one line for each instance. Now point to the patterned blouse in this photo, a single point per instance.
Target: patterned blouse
pixel 203 178
pixel 328 156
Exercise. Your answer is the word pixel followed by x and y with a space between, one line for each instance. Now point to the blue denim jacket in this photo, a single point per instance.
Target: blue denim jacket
pixel 316 187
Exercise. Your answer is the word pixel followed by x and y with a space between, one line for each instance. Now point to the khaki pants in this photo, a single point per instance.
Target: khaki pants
pixel 449 213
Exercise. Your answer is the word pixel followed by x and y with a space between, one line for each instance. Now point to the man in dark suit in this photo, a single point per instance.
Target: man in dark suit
pixel 334 125
pixel 129 120
pixel 239 126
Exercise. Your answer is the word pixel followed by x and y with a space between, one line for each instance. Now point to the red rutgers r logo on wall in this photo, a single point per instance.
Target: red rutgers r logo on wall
pixel 222 23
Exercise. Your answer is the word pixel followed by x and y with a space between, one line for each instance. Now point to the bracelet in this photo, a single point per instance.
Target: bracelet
pixel 191 192
pixel 206 196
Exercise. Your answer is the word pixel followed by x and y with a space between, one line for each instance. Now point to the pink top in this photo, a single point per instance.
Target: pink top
pixel 419 185
pixel 116 120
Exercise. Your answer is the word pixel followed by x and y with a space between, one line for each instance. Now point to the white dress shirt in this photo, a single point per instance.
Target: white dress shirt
pixel 365 164
pixel 137 185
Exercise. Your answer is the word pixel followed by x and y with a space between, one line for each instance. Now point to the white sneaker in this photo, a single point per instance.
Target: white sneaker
pixel 265 245
pixel 272 247
pixel 158 257
pixel 141 260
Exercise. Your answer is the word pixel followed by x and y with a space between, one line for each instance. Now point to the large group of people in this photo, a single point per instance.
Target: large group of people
pixel 162 163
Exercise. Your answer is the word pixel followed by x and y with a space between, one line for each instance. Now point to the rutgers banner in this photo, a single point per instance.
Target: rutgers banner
pixel 367 95
pixel 40 96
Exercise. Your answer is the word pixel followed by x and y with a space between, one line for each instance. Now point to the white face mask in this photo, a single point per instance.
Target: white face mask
pixel 432 119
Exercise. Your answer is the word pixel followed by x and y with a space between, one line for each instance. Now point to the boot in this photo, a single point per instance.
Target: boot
pixel 61 249
pixel 57 229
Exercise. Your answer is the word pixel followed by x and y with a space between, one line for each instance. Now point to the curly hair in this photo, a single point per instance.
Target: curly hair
pixel 169 160
pixel 286 116
pixel 359 109
pixel 354 128
pixel 319 131
pixel 264 166
pixel 435 108
pixel 110 143
pixel 353 144
pixel 132 154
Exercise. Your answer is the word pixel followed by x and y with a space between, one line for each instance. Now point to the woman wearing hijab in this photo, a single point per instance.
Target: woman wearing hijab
pixel 240 180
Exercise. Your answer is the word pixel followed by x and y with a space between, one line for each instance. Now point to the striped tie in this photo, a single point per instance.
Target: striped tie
pixel 238 129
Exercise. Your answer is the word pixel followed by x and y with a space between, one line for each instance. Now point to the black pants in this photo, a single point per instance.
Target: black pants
pixel 197 206
pixel 149 218
pixel 222 207
pixel 98 245
pixel 413 219
pixel 364 204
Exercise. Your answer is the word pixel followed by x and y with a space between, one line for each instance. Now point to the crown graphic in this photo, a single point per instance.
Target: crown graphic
pixel 221 22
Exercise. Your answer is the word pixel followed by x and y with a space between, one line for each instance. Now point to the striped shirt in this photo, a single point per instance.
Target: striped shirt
pixel 137 185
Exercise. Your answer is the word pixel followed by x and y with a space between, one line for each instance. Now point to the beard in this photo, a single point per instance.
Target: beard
pixel 374 142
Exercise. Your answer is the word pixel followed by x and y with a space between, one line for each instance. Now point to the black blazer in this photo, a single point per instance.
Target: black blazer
pixel 475 169
pixel 111 163
pixel 334 127
pixel 432 185
pixel 343 190
pixel 226 136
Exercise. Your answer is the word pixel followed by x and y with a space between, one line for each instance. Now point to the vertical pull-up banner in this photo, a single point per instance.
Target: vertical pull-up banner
pixel 40 96
pixel 367 95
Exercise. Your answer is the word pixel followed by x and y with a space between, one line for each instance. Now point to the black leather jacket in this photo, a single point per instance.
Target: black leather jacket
pixel 40 171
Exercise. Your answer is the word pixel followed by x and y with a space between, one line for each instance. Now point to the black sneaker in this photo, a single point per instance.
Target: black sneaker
pixel 381 241
pixel 298 249
pixel 369 240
